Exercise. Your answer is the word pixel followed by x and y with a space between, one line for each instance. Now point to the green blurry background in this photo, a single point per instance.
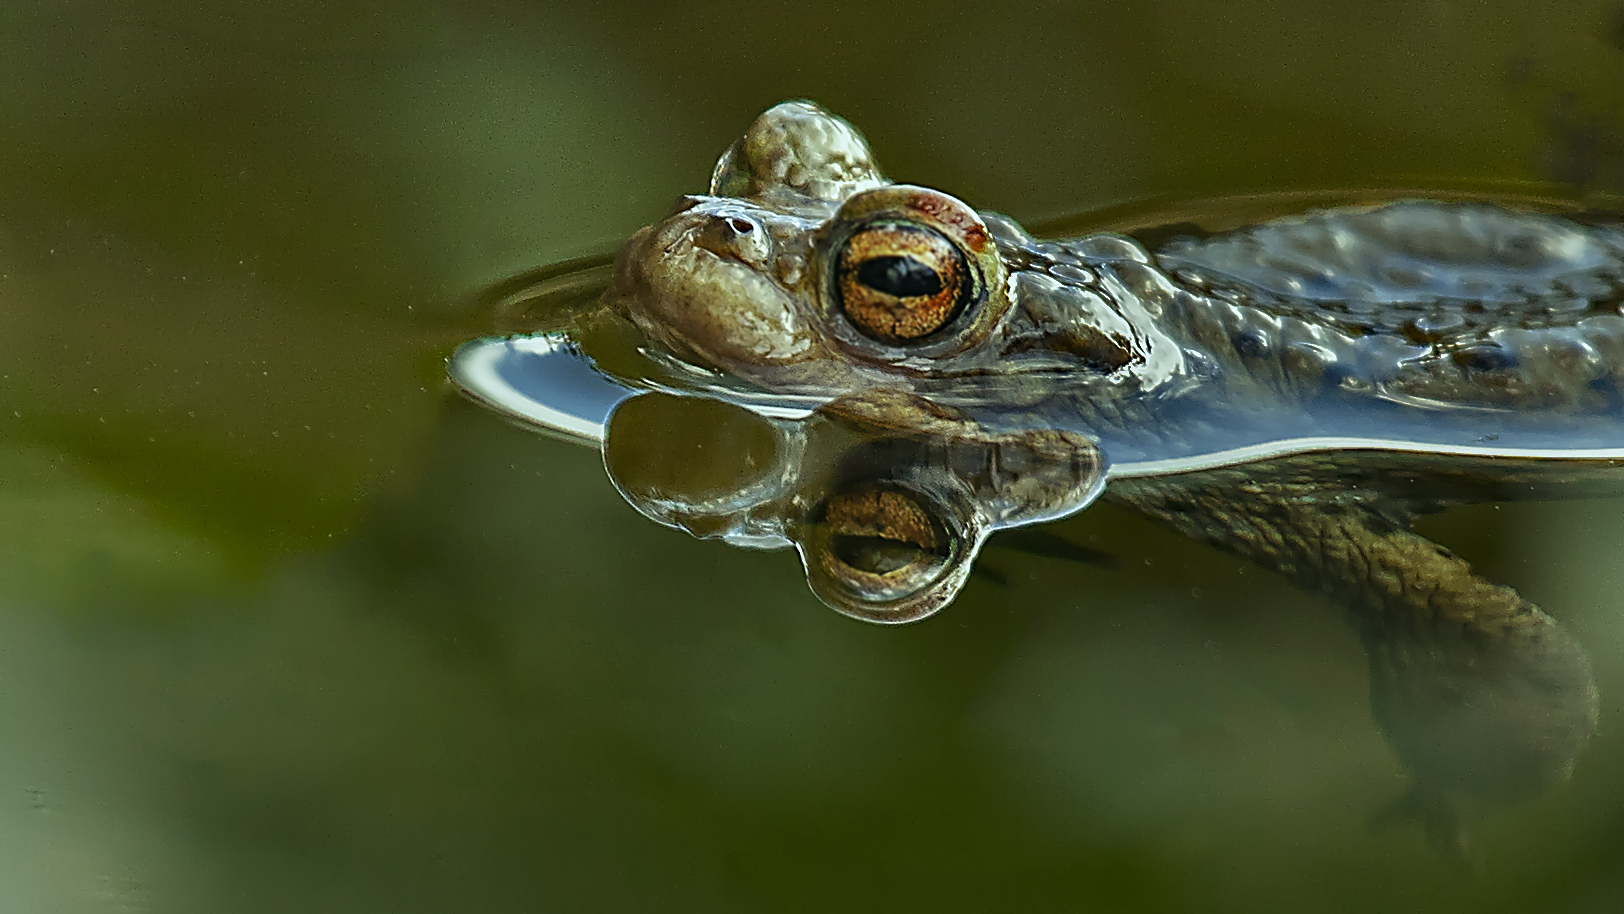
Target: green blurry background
pixel 286 626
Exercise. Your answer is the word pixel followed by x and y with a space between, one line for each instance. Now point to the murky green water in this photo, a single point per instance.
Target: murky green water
pixel 284 625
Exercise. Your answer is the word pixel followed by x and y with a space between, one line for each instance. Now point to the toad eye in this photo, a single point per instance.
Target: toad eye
pixel 898 282
pixel 881 544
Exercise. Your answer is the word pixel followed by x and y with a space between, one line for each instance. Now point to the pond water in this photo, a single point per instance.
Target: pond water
pixel 285 624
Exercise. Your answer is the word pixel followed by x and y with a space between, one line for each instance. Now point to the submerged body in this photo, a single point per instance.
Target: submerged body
pixel 1297 393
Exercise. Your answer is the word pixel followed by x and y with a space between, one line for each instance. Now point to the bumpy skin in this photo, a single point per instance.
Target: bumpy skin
pixel 1421 321
pixel 1491 340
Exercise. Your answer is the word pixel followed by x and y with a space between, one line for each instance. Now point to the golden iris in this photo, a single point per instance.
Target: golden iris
pixel 899 282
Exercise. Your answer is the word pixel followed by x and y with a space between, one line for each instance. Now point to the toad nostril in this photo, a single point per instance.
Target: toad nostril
pixel 735 237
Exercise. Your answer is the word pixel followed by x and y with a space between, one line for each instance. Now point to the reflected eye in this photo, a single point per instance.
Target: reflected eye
pixel 899 282
pixel 882 543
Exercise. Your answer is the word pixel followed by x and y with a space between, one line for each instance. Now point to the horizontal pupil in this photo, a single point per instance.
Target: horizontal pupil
pixel 875 554
pixel 902 277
